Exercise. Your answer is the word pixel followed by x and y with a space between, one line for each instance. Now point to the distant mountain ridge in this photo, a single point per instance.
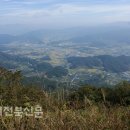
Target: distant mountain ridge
pixel 6 39
pixel 107 34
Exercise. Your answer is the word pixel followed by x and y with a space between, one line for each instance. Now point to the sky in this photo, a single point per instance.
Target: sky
pixel 63 13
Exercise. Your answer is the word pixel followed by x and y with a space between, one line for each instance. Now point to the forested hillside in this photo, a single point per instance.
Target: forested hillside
pixel 108 63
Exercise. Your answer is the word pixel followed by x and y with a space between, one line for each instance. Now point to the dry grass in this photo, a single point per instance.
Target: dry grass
pixel 60 117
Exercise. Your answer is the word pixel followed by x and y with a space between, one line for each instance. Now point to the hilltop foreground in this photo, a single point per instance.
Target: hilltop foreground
pixel 87 108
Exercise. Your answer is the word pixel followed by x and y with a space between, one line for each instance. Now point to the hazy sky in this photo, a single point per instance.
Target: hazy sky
pixel 64 12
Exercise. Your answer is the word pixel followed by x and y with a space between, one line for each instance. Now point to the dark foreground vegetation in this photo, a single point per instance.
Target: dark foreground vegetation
pixel 86 108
